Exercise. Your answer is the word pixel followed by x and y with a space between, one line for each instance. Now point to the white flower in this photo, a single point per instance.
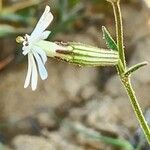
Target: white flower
pixel 36 55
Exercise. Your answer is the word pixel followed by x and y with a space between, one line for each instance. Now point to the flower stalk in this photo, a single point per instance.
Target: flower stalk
pixel 125 75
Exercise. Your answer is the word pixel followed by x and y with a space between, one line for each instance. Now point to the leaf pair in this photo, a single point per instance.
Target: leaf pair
pixel 111 44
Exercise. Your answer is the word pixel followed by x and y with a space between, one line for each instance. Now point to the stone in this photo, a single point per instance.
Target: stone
pixel 26 142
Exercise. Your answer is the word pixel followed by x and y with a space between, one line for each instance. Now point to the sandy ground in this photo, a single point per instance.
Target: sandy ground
pixel 74 97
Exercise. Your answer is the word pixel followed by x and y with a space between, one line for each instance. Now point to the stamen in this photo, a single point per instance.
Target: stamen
pixel 20 39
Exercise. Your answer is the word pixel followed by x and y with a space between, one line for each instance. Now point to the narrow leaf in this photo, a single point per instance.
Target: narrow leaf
pixel 135 68
pixel 111 44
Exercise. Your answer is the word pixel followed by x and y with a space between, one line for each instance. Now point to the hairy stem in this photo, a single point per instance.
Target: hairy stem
pixel 121 68
pixel 119 31
pixel 127 84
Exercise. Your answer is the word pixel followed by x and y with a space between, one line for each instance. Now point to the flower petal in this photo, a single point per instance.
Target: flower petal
pixel 34 77
pixel 41 53
pixel 26 50
pixel 28 76
pixel 43 23
pixel 41 67
pixel 45 35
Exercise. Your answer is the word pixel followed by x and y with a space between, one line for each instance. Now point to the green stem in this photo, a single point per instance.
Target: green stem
pixel 119 31
pixel 121 68
pixel 127 84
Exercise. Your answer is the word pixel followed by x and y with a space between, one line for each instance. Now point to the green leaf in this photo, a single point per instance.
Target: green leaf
pixel 111 44
pixel 94 135
pixel 135 68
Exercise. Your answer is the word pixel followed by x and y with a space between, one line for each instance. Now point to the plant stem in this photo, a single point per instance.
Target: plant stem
pixel 136 107
pixel 126 78
pixel 119 31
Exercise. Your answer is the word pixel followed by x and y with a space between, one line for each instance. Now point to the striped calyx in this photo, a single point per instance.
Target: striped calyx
pixel 86 55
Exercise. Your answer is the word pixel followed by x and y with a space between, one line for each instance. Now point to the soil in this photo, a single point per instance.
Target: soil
pixel 73 97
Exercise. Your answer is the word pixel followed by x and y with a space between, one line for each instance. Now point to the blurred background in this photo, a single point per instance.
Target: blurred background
pixel 76 108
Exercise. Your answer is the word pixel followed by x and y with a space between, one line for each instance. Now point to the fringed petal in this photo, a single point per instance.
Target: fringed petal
pixel 29 72
pixel 41 53
pixel 42 70
pixel 34 77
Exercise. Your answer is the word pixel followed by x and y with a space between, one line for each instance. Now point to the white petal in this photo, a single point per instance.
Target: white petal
pixel 41 67
pixel 28 76
pixel 43 23
pixel 41 53
pixel 26 50
pixel 34 77
pixel 45 35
